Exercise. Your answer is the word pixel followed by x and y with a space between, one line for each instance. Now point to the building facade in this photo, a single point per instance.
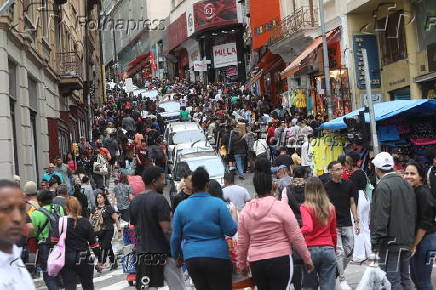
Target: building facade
pixel 44 64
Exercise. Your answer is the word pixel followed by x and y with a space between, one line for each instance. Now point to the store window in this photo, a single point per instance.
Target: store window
pixel 12 101
pixel 392 38
pixel 400 94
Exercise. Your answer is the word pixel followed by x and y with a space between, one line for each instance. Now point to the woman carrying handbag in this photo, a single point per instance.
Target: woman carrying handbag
pixel 78 238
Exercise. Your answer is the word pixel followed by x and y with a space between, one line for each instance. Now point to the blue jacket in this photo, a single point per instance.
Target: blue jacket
pixel 202 222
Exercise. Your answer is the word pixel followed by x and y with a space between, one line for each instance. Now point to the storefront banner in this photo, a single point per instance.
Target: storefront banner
pixel 225 55
pixel 200 65
pixel 370 43
pixel 210 13
pixel 190 21
pixel 176 32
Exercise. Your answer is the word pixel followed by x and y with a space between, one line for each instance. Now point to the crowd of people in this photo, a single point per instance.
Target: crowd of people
pixel 294 229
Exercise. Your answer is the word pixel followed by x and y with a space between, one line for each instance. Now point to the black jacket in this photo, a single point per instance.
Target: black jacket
pixel 393 214
pixel 238 145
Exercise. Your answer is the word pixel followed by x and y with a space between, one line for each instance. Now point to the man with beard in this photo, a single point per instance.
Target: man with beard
pixel 150 214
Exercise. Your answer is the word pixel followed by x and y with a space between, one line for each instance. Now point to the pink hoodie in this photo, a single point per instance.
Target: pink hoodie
pixel 267 229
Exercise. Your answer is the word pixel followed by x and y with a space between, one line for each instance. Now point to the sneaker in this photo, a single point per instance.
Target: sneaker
pixel 343 285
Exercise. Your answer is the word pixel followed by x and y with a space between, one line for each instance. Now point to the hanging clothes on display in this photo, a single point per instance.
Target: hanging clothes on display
pixel 300 98
pixel 325 150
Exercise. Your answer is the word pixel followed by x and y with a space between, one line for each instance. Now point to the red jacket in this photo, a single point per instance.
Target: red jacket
pixel 314 232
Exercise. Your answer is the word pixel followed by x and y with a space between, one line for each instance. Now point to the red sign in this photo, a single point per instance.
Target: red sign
pixel 177 32
pixel 210 13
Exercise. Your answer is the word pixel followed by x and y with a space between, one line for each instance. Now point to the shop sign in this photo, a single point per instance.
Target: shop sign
pixel 200 65
pixel 231 71
pixel 212 13
pixel 190 20
pixel 376 98
pixel 370 43
pixel 225 55
pixel 431 55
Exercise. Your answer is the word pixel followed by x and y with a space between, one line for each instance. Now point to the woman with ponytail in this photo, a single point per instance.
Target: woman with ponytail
pixel 319 230
pixel 80 237
pixel 268 231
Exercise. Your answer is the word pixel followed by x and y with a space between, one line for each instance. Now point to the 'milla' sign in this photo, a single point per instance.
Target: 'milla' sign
pixel 225 55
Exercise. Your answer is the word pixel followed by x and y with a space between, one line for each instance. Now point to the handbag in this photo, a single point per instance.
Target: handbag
pixel 56 259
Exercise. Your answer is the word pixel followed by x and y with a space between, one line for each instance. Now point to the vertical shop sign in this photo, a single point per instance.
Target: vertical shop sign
pixel 190 20
pixel 370 43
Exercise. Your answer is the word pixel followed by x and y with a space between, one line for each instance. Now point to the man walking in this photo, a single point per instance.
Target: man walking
pixel 236 194
pixel 150 214
pixel 393 222
pixel 341 193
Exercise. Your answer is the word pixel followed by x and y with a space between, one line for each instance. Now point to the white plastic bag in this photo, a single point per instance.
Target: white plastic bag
pixel 374 279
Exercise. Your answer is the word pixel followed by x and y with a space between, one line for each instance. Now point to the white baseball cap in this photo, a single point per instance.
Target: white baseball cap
pixel 383 160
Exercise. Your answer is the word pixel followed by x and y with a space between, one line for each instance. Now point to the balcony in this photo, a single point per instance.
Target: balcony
pixel 293 33
pixel 70 71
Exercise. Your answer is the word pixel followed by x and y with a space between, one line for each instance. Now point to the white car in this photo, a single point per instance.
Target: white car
pixel 146 93
pixel 213 164
pixel 170 111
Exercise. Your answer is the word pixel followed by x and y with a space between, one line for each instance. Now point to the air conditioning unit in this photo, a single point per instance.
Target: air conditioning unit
pixel 60 2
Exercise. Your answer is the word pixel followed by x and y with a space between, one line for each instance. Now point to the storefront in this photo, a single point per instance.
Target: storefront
pixel 406 128
pixel 306 80
pixel 271 85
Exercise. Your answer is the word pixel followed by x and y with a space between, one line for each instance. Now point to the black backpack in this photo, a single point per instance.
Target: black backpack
pixel 53 215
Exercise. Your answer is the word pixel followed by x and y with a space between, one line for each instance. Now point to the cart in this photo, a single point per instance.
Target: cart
pixel 128 261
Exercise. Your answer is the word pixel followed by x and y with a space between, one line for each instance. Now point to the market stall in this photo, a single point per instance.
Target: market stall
pixel 405 128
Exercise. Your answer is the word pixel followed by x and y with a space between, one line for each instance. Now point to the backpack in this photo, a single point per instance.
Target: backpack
pixel 56 258
pixel 97 220
pixel 53 215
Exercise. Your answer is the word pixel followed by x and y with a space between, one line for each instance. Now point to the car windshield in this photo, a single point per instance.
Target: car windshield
pixel 214 166
pixel 187 137
pixel 170 106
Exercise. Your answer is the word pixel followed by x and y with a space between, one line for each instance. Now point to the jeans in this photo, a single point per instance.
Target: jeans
pixel 344 249
pixel 240 162
pixel 52 283
pixel 324 275
pixel 396 264
pixel 421 264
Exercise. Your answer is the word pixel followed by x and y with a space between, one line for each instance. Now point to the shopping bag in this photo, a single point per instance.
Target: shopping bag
pixel 374 279
pixel 56 259
pixel 128 262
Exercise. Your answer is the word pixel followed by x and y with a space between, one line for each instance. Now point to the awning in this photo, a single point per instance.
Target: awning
pixel 426 78
pixel 387 110
pixel 254 79
pixel 137 59
pixel 295 65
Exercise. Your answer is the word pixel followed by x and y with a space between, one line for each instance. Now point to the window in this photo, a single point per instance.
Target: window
pixel 12 100
pixel 392 38
pixel 44 18
pixel 32 87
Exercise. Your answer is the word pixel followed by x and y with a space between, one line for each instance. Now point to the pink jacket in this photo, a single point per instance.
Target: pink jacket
pixel 267 229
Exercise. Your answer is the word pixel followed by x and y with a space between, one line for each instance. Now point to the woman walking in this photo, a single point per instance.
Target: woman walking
pixel 267 232
pixel 102 220
pixel 123 193
pixel 203 222
pixel 80 237
pixel 319 230
pixel 425 240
